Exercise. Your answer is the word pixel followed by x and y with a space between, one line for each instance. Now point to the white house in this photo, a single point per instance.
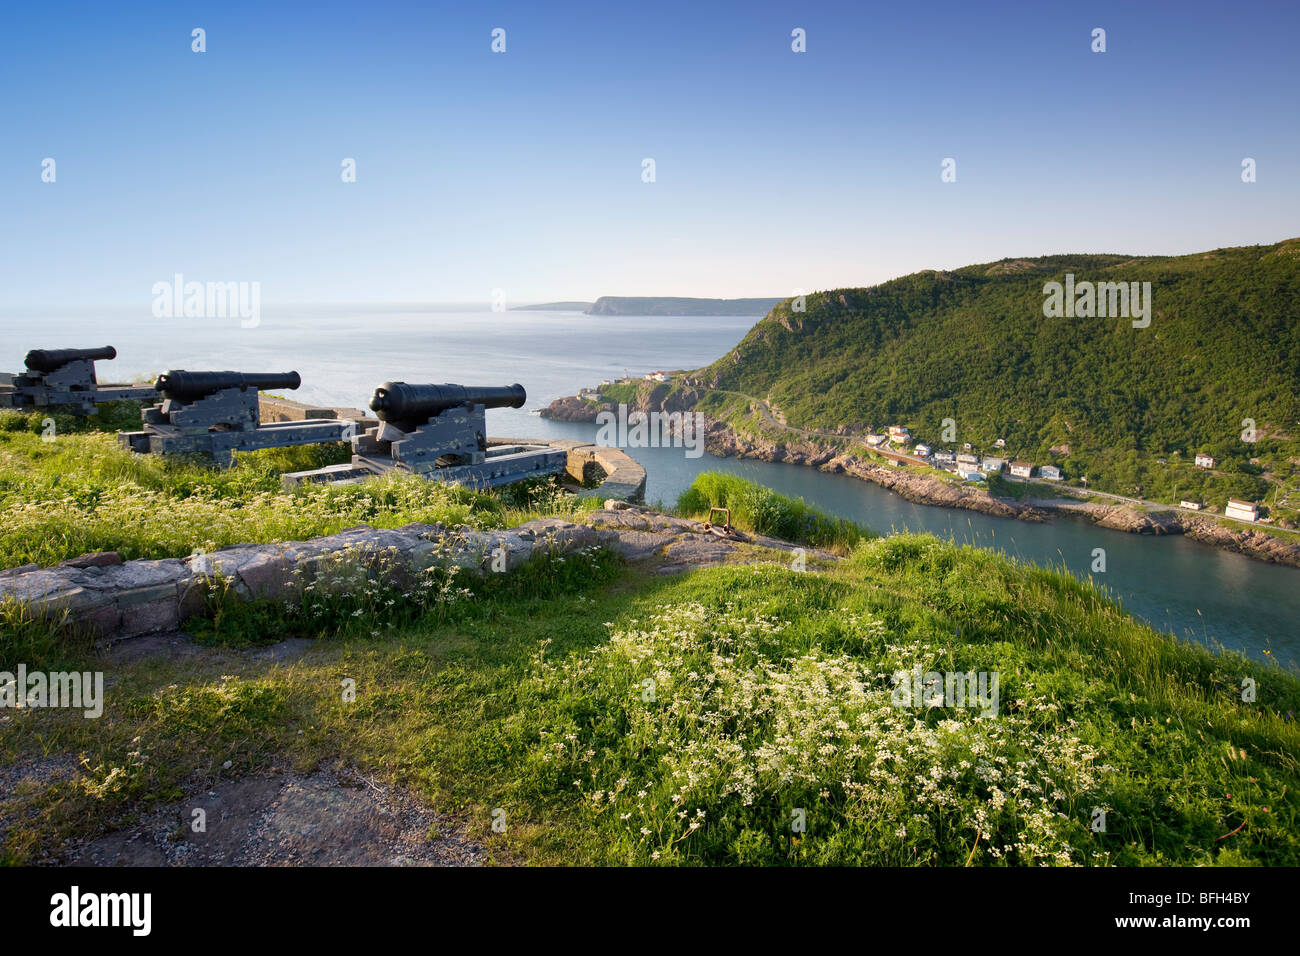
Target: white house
pixel 969 473
pixel 1050 473
pixel 1000 443
pixel 1245 510
pixel 1190 505
pixel 922 450
pixel 899 433
pixel 993 465
pixel 1204 461
pixel 1022 469
pixel 874 440
pixel 968 459
pixel 658 376
pixel 945 456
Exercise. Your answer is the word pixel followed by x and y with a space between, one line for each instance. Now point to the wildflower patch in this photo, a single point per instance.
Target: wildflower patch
pixel 740 737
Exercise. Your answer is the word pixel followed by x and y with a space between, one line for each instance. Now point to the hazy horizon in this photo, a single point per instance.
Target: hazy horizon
pixel 522 171
pixel 485 305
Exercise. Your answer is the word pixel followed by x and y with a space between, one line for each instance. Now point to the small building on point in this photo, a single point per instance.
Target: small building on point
pixel 1242 510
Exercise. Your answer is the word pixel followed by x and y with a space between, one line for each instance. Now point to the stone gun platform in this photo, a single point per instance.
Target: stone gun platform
pixel 622 477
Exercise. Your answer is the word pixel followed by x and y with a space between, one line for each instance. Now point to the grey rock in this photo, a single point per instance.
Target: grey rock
pixel 21 569
pixel 94 559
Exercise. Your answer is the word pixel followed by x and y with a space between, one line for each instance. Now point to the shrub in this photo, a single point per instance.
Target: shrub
pixel 763 511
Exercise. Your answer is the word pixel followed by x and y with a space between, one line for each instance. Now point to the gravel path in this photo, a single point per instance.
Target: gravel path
pixel 326 819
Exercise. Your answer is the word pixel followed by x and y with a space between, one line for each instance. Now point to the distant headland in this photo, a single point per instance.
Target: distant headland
pixel 553 307
pixel 657 305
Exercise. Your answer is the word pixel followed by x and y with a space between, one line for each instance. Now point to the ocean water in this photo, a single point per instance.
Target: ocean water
pixel 343 353
pixel 1187 589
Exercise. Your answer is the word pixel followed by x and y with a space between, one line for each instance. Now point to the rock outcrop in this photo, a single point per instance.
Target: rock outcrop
pixel 923 489
pixel 574 409
pixel 1252 542
pixel 1249 541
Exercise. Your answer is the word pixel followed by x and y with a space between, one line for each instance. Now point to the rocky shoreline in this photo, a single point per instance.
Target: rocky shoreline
pixel 723 441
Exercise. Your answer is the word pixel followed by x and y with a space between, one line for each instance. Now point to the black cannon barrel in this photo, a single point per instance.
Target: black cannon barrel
pixel 414 404
pixel 182 386
pixel 51 360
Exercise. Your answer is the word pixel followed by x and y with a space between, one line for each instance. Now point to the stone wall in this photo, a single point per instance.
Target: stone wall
pixel 115 599
pixel 624 479
pixel 288 410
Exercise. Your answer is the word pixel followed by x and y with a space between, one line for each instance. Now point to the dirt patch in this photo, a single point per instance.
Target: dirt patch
pixel 22 782
pixel 326 819
pixel 169 645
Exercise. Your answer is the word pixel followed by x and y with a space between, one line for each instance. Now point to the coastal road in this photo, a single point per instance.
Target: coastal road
pixel 765 412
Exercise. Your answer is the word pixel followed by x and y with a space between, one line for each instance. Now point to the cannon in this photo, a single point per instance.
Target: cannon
pixel 440 433
pixel 408 406
pixel 65 378
pixel 218 413
pixel 51 360
pixel 183 386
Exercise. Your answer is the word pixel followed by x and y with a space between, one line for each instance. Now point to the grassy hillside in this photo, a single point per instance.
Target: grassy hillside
pixel 618 717
pixel 974 345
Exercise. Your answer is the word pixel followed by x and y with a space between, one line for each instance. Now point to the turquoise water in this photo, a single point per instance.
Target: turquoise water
pixel 1187 589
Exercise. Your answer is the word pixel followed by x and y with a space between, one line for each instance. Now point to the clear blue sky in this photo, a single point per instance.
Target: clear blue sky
pixel 522 170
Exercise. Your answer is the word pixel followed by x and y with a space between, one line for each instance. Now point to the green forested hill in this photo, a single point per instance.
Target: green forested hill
pixel 974 345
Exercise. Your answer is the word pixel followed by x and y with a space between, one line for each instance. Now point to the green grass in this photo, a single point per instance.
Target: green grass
pixel 770 694
pixel 82 492
pixel 620 393
pixel 761 510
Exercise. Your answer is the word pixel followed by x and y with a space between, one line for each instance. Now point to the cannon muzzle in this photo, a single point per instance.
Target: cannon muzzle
pixel 413 405
pixel 51 360
pixel 182 386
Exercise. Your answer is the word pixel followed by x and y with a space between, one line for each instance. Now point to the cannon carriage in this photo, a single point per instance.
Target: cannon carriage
pixel 218 413
pixel 440 433
pixel 65 379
